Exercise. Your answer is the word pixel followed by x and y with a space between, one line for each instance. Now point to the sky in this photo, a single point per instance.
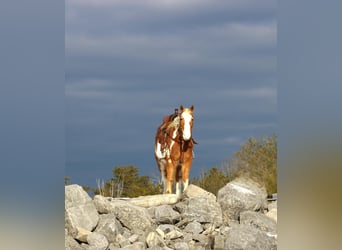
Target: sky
pixel 130 63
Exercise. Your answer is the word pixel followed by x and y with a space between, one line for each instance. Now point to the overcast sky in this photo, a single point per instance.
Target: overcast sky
pixel 130 63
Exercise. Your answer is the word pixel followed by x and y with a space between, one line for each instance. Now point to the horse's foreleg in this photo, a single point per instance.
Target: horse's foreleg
pixel 185 174
pixel 178 178
pixel 170 176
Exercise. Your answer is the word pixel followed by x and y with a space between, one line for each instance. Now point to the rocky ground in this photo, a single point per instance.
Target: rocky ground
pixel 238 218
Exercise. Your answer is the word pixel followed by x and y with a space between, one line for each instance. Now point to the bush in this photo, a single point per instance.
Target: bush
pixel 212 180
pixel 127 183
pixel 257 159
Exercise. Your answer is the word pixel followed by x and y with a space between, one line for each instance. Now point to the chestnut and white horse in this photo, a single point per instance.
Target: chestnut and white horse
pixel 173 149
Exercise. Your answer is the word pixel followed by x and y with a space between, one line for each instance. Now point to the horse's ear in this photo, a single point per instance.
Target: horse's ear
pixel 192 108
pixel 181 108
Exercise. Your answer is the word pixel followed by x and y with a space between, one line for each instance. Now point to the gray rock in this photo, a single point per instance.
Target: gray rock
pixel 109 226
pixel 135 218
pixel 97 241
pixel 203 239
pixel 174 234
pixel 181 246
pixel 165 228
pixel 80 210
pixel 272 205
pixel 113 247
pixel 154 240
pixel 165 214
pixel 82 234
pixel 203 210
pixel 195 191
pixel 240 195
pixel 258 220
pixel 71 244
pixel 194 227
pixel 135 246
pixel 249 238
pixel 133 238
pixel 219 242
pixel 272 210
pixel 122 240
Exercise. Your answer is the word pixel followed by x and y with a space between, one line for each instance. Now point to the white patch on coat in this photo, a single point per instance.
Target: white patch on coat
pixel 158 151
pixel 173 142
pixel 187 130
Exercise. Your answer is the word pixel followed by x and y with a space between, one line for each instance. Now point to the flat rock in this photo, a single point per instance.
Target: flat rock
pixel 80 211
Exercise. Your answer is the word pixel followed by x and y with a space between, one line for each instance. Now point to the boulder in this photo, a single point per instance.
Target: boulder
pixel 80 211
pixel 71 243
pixel 240 195
pixel 195 191
pixel 258 220
pixel 135 218
pixel 109 226
pixel 203 210
pixel 97 241
pixel 165 214
pixel 248 238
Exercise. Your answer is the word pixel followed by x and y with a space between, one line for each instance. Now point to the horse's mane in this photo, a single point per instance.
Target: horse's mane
pixel 174 123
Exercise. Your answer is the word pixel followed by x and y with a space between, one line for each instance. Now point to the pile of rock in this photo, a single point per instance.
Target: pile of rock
pixel 239 218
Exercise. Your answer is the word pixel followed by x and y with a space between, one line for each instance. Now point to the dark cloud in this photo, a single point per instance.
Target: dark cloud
pixel 129 63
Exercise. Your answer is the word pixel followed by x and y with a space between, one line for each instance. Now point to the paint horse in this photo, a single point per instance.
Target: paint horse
pixel 173 148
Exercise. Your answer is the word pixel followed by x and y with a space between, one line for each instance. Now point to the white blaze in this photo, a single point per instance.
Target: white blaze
pixel 187 130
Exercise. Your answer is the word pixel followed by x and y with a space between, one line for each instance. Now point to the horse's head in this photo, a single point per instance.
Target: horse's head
pixel 186 122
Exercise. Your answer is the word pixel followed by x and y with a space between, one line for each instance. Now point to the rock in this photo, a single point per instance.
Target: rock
pixel 165 228
pixel 247 237
pixel 203 239
pixel 122 240
pixel 97 241
pixel 272 210
pixel 135 218
pixel 80 210
pixel 113 247
pixel 71 243
pixel 258 220
pixel 195 222
pixel 133 238
pixel 272 214
pixel 174 234
pixel 154 200
pixel 194 227
pixel 82 234
pixel 239 195
pixel 195 191
pixel 135 246
pixel 219 242
pixel 109 226
pixel 203 210
pixel 181 246
pixel 165 214
pixel 154 240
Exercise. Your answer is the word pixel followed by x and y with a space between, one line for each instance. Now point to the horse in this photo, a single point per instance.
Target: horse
pixel 173 149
